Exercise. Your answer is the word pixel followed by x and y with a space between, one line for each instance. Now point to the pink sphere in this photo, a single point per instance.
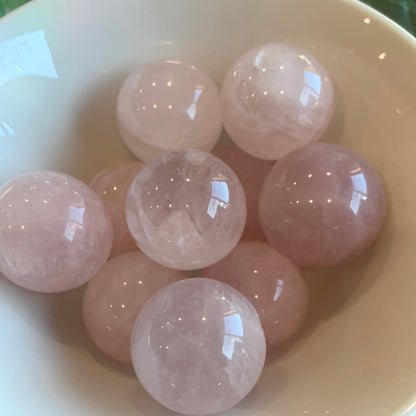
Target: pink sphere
pixel 114 297
pixel 276 98
pixel 111 185
pixel 252 172
pixel 166 106
pixel 55 232
pixel 321 205
pixel 186 210
pixel 198 346
pixel 272 284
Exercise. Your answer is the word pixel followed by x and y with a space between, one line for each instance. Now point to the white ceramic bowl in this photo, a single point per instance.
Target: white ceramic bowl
pixel 61 64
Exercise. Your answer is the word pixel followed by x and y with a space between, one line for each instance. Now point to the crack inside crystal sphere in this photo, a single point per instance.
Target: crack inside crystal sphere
pixel 115 295
pixel 321 205
pixel 186 210
pixel 55 232
pixel 198 346
pixel 180 95
pixel 276 98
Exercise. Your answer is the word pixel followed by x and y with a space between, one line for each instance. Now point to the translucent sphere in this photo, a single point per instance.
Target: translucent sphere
pixel 186 210
pixel 111 185
pixel 272 283
pixel 321 205
pixel 198 346
pixel 252 172
pixel 276 98
pixel 166 106
pixel 55 232
pixel 115 295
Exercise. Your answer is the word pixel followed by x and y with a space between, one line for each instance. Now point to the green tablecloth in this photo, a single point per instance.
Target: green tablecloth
pixel 402 11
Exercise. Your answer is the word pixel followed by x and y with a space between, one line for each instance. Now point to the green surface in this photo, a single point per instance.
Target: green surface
pixel 8 5
pixel 402 11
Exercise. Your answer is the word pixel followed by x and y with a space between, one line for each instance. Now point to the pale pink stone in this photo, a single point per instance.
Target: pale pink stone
pixel 166 106
pixel 111 185
pixel 186 210
pixel 115 295
pixel 252 172
pixel 275 98
pixel 272 284
pixel 55 232
pixel 198 346
pixel 321 205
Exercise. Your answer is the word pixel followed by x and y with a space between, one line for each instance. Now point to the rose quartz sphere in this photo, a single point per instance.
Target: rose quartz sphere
pixel 168 105
pixel 186 210
pixel 276 98
pixel 115 295
pixel 55 232
pixel 198 346
pixel 321 205
pixel 252 172
pixel 272 284
pixel 111 185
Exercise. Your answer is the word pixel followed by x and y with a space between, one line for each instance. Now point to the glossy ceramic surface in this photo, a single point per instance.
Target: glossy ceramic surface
pixel 355 355
pixel 401 11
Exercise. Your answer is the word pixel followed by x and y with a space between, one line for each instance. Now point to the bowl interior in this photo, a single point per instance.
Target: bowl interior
pixel 61 65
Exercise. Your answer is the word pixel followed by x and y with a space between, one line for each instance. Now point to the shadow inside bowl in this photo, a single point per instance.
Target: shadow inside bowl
pixel 145 404
pixel 271 384
pixel 336 125
pixel 258 399
pixel 96 142
pixel 334 289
